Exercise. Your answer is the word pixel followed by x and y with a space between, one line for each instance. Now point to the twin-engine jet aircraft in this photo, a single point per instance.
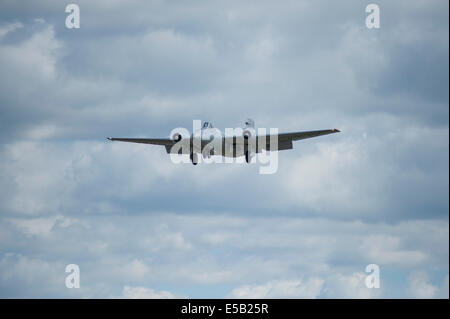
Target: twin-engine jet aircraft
pixel 209 141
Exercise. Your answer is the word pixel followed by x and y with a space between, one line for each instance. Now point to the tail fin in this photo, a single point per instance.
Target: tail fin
pixel 249 123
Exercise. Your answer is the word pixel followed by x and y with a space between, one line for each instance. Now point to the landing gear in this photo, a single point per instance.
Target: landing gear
pixel 194 158
pixel 247 157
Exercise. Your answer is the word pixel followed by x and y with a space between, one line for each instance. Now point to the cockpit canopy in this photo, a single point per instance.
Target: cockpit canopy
pixel 207 125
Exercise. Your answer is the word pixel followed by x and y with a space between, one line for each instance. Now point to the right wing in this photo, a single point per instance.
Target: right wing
pixel 285 139
pixel 307 134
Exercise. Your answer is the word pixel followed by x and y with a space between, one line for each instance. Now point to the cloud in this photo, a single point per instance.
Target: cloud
pixel 420 286
pixel 335 285
pixel 280 289
pixel 20 272
pixel 40 226
pixel 375 193
pixel 33 59
pixel 304 257
pixel 386 250
pixel 4 30
pixel 349 286
pixel 136 269
pixel 145 293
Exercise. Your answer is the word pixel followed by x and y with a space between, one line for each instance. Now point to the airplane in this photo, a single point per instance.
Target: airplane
pixel 209 141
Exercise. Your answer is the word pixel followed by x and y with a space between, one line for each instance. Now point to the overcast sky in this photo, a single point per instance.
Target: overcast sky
pixel 139 225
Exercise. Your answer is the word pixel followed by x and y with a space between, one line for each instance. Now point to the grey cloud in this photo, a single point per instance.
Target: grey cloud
pixel 146 251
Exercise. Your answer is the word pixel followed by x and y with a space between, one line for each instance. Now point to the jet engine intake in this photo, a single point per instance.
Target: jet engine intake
pixel 177 137
pixel 248 133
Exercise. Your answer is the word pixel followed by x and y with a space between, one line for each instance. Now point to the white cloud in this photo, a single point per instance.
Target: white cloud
pixel 327 171
pixel 36 275
pixel 4 30
pixel 36 226
pixel 145 293
pixel 309 288
pixel 31 61
pixel 349 286
pixel 319 258
pixel 420 287
pixel 40 181
pixel 387 250
pixel 136 269
pixel 332 285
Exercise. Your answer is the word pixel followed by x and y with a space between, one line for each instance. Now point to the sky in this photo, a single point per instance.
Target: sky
pixel 140 226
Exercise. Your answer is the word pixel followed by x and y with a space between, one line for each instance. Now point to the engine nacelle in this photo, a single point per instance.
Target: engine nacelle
pixel 177 137
pixel 248 133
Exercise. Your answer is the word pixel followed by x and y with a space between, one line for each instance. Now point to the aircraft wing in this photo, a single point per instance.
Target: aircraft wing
pixel 285 139
pixel 166 142
pixel 154 141
pixel 307 134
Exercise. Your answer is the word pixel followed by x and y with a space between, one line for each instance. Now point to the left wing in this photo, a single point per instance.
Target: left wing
pixel 154 141
pixel 166 142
